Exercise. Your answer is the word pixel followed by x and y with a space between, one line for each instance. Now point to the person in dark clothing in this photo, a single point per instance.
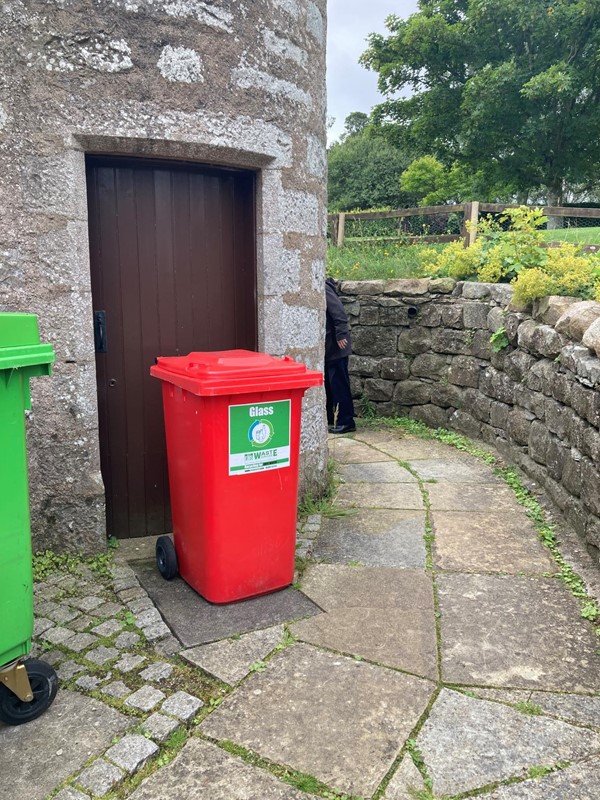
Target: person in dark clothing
pixel 340 408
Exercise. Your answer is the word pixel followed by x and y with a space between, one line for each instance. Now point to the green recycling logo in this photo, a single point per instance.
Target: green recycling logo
pixel 260 433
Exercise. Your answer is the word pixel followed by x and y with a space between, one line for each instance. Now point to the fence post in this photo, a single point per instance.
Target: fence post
pixel 474 219
pixel 471 215
pixel 466 216
pixel 334 229
pixel 340 229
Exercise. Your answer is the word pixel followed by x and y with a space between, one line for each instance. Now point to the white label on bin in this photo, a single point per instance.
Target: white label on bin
pixel 259 437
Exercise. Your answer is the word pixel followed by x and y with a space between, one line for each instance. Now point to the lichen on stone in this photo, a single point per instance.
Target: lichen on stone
pixel 180 64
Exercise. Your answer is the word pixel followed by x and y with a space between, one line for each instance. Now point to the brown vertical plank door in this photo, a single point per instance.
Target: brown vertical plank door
pixel 173 267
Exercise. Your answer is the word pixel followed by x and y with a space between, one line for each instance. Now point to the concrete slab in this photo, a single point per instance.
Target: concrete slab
pixel 378 537
pixel 75 725
pixel 405 783
pixel 515 632
pixel 194 621
pixel 230 660
pixel 338 586
pixel 140 549
pixel 455 470
pixel 489 542
pixel 583 709
pixel 386 636
pixel 472 497
pixel 501 695
pixel 382 472
pixel 577 782
pixel 573 708
pixel 367 495
pixel 341 720
pixel 492 743
pixel 348 451
pixel 201 765
pixel 407 448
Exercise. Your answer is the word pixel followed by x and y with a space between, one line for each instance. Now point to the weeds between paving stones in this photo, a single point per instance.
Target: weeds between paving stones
pixel 169 750
pixel 546 532
pixel 528 707
pixel 212 692
pixel 299 780
pixel 47 562
pixel 324 504
pixel 411 751
pixel 96 572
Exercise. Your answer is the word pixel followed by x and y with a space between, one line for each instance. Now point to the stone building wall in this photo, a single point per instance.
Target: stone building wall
pixel 422 349
pixel 239 83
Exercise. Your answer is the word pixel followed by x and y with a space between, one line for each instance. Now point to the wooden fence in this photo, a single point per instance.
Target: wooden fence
pixel 467 212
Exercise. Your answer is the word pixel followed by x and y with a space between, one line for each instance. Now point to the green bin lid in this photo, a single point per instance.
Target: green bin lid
pixel 20 342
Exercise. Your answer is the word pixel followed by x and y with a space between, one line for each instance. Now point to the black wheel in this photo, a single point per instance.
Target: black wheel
pixel 44 685
pixel 166 558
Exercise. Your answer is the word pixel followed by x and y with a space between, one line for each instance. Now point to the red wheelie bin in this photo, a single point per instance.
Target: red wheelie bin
pixel 232 421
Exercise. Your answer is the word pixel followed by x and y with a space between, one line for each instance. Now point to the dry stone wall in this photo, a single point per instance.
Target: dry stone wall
pixel 239 83
pixel 422 349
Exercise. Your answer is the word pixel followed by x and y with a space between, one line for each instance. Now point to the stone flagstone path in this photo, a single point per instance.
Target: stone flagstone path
pixel 429 651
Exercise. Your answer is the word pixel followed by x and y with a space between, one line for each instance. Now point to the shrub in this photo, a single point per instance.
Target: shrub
pixel 455 260
pixel 533 283
pixel 509 249
pixel 565 271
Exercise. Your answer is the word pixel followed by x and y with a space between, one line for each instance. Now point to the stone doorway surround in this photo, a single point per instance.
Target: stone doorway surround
pixel 239 85
pixel 276 209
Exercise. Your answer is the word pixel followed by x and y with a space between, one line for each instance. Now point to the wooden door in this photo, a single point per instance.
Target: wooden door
pixel 172 250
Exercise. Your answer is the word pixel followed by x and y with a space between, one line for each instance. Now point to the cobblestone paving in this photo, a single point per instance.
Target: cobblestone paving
pixel 448 659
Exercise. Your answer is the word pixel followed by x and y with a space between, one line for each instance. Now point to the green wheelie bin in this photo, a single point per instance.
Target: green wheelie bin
pixel 27 686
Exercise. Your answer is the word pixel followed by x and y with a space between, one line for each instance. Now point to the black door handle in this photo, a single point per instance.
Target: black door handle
pixel 100 331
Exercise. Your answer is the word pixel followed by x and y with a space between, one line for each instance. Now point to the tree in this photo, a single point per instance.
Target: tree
pixel 506 88
pixel 356 122
pixel 433 183
pixel 365 169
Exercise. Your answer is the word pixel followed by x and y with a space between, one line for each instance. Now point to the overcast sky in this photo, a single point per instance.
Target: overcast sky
pixel 351 87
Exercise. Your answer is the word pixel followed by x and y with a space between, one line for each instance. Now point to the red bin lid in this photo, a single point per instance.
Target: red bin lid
pixel 234 372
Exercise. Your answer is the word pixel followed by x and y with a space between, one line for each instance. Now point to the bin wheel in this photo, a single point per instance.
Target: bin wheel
pixel 166 558
pixel 44 685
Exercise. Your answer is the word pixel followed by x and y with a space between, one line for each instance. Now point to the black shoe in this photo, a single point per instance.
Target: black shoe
pixel 341 428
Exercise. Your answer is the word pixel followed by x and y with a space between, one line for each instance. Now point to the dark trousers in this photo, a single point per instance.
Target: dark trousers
pixel 337 391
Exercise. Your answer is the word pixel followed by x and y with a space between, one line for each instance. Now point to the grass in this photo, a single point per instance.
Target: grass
pixel 368 259
pixel 360 261
pixel 324 503
pixel 575 235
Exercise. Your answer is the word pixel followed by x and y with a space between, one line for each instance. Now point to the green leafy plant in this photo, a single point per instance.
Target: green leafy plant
pixel 286 640
pixel 527 707
pixel 504 247
pixel 48 562
pixel 257 666
pixel 499 340
pixel 565 270
pixel 366 409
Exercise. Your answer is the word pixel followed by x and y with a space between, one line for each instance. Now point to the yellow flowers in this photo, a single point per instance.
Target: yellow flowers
pixel 454 260
pixel 532 283
pixel 565 271
pixel 516 255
